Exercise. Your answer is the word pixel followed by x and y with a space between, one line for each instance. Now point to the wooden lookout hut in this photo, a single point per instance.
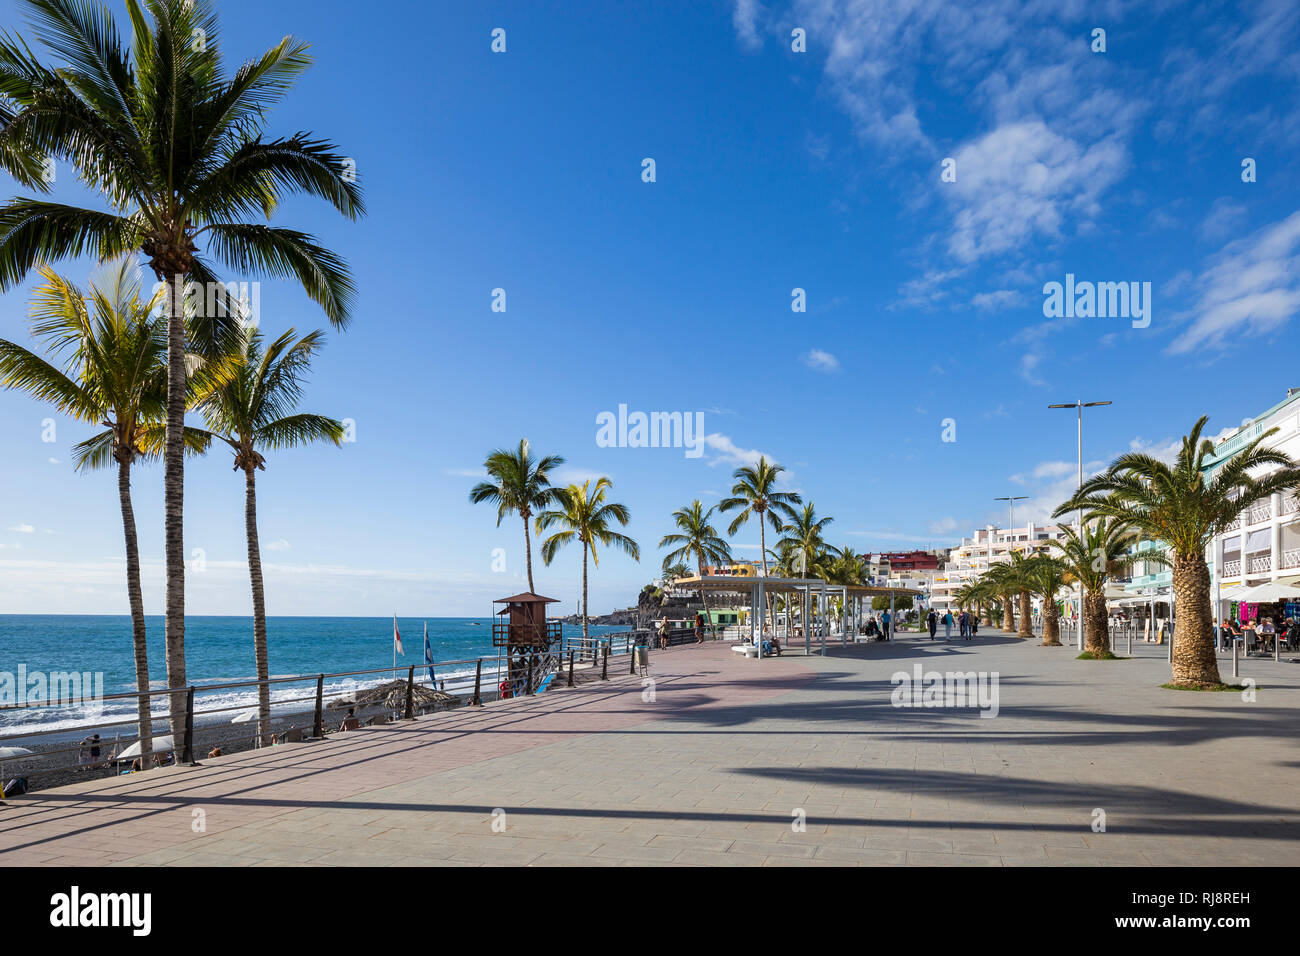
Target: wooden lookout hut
pixel 521 629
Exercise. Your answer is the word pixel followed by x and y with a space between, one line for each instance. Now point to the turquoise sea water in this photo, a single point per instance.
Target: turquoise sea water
pixel 220 650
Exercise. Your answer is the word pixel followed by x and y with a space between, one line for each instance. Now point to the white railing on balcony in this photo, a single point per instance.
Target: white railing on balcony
pixel 1290 505
pixel 1236 523
pixel 1261 562
pixel 1260 511
pixel 1232 568
pixel 1291 558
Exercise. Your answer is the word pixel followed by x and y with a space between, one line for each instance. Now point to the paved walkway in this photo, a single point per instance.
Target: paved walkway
pixel 725 760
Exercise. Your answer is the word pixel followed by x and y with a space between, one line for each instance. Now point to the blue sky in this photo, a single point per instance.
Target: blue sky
pixel 775 170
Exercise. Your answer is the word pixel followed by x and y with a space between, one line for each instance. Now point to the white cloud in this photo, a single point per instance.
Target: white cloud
pixel 943 526
pixel 24 529
pixel 1028 363
pixel 465 472
pixel 1224 218
pixel 744 17
pixel 1000 299
pixel 821 361
pixel 1023 181
pixel 280 545
pixel 1252 286
pixel 728 452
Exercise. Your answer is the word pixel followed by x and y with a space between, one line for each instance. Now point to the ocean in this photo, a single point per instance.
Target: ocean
pixel 219 650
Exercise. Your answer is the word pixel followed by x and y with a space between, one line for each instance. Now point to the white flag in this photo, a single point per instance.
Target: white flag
pixel 397 638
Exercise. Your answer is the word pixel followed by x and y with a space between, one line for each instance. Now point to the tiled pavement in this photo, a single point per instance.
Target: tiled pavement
pixel 719 766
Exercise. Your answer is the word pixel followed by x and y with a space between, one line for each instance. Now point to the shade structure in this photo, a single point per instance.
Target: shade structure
pixel 160 745
pixel 1268 593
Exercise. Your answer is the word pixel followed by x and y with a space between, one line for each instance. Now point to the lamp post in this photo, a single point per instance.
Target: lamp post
pixel 1079 406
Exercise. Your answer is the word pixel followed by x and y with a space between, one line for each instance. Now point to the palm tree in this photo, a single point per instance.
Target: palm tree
pixel 847 567
pixel 114 375
pixel 755 494
pixel 523 483
pixel 1046 575
pixel 1001 578
pixel 1093 555
pixel 253 411
pixel 586 516
pixel 1019 579
pixel 803 540
pixel 176 148
pixel 696 540
pixel 1177 505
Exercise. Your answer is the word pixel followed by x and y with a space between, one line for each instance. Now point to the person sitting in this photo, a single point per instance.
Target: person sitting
pixel 350 722
pixel 1266 634
pixel 215 752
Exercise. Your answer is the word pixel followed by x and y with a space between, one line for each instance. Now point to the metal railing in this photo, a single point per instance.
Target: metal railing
pixel 303 707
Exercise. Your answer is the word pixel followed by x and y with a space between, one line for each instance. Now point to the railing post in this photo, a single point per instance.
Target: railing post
pixel 410 693
pixel 1234 657
pixel 187 755
pixel 604 665
pixel 318 727
pixel 632 667
pixel 528 685
pixel 570 668
pixel 478 685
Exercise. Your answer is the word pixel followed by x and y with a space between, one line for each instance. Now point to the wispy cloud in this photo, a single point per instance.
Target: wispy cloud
pixel 821 361
pixel 1251 286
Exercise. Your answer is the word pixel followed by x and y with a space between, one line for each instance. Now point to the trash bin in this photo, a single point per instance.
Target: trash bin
pixel 642 656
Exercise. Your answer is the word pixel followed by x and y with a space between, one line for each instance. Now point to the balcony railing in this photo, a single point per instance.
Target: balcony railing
pixel 1290 505
pixel 1260 511
pixel 1236 523
pixel 1291 558
pixel 1232 568
pixel 1260 562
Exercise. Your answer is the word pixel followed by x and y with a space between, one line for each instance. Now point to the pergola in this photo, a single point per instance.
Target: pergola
pixel 756 588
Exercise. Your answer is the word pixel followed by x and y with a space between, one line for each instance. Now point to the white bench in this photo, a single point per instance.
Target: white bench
pixel 749 650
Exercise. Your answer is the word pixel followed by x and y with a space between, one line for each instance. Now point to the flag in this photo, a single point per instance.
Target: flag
pixel 397 638
pixel 428 654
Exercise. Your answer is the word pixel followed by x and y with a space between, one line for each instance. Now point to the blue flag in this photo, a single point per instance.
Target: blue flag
pixel 428 655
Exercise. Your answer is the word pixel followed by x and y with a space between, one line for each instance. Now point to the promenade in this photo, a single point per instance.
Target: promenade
pixel 726 756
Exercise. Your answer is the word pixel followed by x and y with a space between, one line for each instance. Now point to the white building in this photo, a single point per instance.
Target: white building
pixel 1264 543
pixel 988 546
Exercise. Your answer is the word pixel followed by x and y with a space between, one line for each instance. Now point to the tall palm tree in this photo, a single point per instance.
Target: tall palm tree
pixel 696 540
pixel 755 494
pixel 114 374
pixel 522 485
pixel 1046 575
pixel 846 567
pixel 585 516
pixel 253 411
pixel 1177 505
pixel 1094 555
pixel 1018 577
pixel 177 149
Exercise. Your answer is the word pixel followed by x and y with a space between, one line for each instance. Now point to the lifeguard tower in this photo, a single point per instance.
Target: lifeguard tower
pixel 521 630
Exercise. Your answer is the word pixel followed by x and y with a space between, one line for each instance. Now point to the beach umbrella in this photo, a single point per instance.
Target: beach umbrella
pixel 160 745
pixel 393 696
pixel 245 717
pixel 8 753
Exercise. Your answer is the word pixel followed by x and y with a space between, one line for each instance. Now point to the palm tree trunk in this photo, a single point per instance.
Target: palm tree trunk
pixel 1094 615
pixel 1008 614
pixel 584 594
pixel 1193 651
pixel 135 597
pixel 174 497
pixel 528 556
pixel 986 615
pixel 259 607
pixel 1051 623
pixel 1026 616
pixel 708 615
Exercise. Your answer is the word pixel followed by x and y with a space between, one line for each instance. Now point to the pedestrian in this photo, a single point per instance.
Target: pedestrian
pixel 884 624
pixel 699 628
pixel 962 624
pixel 974 627
pixel 932 620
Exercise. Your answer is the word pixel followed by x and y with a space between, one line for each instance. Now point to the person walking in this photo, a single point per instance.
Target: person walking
pixel 974 627
pixel 885 623
pixel 932 620
pixel 947 625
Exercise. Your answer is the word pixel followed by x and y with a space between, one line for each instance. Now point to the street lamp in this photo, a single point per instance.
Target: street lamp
pixel 1011 504
pixel 1079 406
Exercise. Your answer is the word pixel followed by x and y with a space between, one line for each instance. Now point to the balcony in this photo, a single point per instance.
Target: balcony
pixel 1260 511
pixel 1259 562
pixel 1290 505
pixel 1232 569
pixel 1291 558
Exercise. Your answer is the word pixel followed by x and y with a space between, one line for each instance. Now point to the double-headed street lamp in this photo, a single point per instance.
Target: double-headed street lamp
pixel 1080 406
